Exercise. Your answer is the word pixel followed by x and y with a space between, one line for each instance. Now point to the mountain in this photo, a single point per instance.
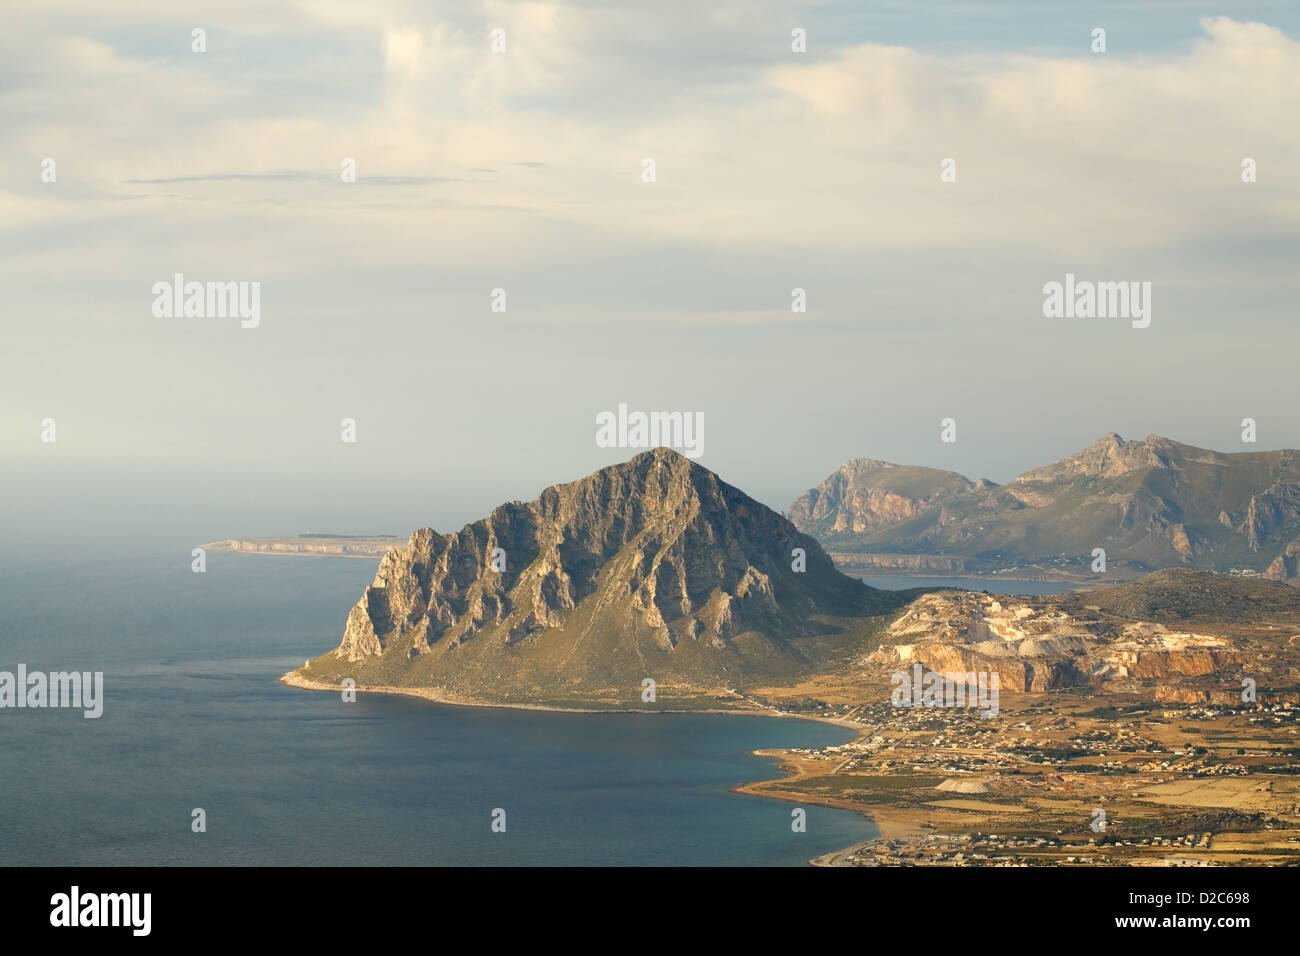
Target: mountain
pixel 654 568
pixel 1149 504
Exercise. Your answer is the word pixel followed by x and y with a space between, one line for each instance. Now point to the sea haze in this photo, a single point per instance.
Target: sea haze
pixel 193 717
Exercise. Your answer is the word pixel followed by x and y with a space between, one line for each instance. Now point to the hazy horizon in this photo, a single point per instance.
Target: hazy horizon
pixel 522 170
pixel 94 506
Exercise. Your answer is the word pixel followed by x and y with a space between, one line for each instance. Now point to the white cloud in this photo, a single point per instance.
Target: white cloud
pixel 838 152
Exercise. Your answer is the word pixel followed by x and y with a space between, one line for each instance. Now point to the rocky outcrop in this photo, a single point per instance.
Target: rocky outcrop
pixel 1286 566
pixel 659 545
pixel 1038 645
pixel 864 494
pixel 1109 457
pixel 1270 510
pixel 1147 650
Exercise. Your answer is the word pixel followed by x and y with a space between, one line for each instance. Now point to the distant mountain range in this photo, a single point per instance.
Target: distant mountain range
pixel 1150 504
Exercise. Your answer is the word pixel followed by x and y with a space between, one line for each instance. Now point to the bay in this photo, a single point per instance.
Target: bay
pixel 194 718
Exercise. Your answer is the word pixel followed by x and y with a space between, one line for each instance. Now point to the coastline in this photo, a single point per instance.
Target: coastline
pixel 354 555
pixel 892 823
pixel 294 679
pixel 890 826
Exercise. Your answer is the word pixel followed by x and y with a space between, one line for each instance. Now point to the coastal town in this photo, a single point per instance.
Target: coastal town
pixel 1065 779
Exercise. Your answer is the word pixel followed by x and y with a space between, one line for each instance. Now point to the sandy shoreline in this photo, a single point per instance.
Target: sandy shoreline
pixel 294 679
pixel 890 826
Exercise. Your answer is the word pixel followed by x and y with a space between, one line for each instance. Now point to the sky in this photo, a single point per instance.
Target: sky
pixel 523 170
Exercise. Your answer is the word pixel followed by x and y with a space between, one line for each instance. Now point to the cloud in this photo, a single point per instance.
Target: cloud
pixel 523 170
pixel 841 151
pixel 297 175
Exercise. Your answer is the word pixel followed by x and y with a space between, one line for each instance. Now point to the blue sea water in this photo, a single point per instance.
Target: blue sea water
pixel 994 585
pixel 194 718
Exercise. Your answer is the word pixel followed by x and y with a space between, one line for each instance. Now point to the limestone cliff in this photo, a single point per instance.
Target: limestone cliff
pixel 1190 628
pixel 1286 566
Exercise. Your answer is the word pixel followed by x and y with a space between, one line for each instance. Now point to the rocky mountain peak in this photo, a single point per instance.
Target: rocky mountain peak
pixel 657 552
pixel 1109 457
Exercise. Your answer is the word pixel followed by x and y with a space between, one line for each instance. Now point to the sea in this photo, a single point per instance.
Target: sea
pixel 993 585
pixel 195 720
